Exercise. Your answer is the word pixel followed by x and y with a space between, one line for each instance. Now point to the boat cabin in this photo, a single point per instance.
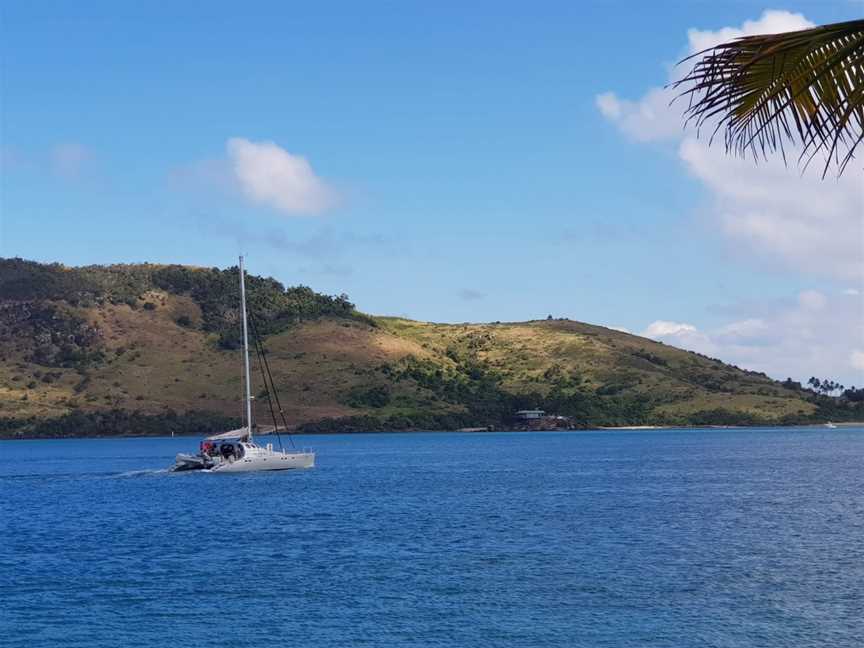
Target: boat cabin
pixel 229 446
pixel 227 449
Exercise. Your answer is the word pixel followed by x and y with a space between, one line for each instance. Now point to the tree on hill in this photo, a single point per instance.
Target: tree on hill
pixel 826 386
pixel 854 395
pixel 767 92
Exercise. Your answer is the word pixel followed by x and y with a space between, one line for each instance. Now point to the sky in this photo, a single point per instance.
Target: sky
pixel 441 161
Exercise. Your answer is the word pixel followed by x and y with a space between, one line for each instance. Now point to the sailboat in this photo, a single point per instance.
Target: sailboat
pixel 235 451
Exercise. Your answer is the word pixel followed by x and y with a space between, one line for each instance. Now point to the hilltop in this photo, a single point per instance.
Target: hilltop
pixel 151 348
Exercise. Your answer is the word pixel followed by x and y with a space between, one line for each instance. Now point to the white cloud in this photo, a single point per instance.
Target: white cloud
pixel 68 159
pixel 622 329
pixel 269 175
pixel 771 21
pixel 680 334
pixel 851 291
pixel 798 221
pixel 811 335
pixel 662 328
pixel 609 105
pixel 744 329
pixel 793 219
pixel 649 119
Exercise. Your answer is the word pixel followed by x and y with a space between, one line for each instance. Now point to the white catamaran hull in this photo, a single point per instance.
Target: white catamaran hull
pixel 269 461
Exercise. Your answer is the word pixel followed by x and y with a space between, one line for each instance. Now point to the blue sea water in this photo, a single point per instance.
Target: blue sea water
pixel 677 538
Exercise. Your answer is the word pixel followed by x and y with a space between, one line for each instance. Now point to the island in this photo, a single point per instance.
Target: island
pixel 144 349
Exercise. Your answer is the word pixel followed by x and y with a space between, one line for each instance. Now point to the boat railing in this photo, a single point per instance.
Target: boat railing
pixel 291 451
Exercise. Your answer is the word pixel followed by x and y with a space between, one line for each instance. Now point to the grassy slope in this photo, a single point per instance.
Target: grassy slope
pixel 152 364
pixel 524 352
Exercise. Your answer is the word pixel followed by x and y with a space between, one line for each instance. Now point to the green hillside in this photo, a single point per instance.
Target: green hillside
pixel 149 349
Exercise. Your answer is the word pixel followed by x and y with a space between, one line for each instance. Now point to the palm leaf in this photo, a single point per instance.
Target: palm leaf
pixel 765 92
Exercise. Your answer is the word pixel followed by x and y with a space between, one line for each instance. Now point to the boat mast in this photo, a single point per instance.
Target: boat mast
pixel 247 375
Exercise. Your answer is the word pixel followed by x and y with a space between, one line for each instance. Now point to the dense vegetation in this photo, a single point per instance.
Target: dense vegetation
pixel 215 291
pixel 119 423
pixel 60 337
pixel 473 383
pixel 274 308
pixel 391 423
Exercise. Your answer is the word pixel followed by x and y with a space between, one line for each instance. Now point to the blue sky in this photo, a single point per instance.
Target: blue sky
pixel 469 173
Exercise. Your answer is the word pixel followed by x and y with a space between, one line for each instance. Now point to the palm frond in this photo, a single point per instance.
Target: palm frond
pixel 765 92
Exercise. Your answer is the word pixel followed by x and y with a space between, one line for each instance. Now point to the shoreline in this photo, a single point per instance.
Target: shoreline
pixel 616 428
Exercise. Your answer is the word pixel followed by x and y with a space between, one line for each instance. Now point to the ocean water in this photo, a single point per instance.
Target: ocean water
pixel 677 538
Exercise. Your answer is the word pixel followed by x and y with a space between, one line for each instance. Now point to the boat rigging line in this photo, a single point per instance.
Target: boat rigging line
pixel 269 385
